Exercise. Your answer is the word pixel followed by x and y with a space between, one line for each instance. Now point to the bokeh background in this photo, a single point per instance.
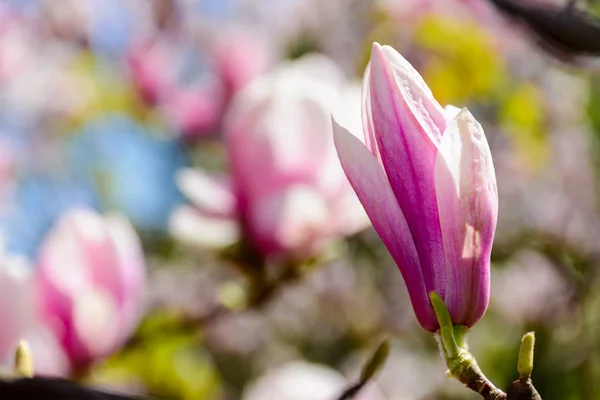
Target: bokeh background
pixel 142 113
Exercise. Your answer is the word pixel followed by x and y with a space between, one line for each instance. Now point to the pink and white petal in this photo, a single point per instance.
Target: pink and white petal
pixel 131 269
pixel 194 228
pixel 49 358
pixel 450 112
pixel 62 262
pixel 373 190
pixel 283 118
pixel 300 148
pixel 291 219
pixel 416 93
pixel 128 250
pixel 408 153
pixel 97 324
pixel 468 206
pixel 99 258
pixel 367 114
pixel 285 137
pixel 17 303
pixel 210 194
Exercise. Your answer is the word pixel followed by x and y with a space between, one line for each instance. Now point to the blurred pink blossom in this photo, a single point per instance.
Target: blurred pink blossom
pixel 193 110
pixel 8 173
pixel 89 283
pixel 149 69
pixel 235 57
pixel 20 320
pixel 18 310
pixel 16 44
pixel 196 112
pixel 239 57
pixel 288 193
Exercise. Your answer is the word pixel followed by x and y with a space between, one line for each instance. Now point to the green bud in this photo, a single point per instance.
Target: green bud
pixel 376 361
pixel 525 363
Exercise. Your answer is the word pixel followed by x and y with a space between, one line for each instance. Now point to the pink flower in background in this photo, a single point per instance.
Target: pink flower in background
pixel 149 67
pixel 17 309
pixel 196 112
pixel 239 57
pixel 235 58
pixel 8 173
pixel 193 111
pixel 287 191
pixel 427 181
pixel 90 276
pixel 20 320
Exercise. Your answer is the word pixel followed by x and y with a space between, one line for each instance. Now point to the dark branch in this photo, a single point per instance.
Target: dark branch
pixel 522 389
pixel 472 377
pixel 565 32
pixel 54 389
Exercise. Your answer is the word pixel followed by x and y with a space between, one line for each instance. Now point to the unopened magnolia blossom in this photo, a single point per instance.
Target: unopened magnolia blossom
pixel 286 192
pixel 89 278
pixel 427 182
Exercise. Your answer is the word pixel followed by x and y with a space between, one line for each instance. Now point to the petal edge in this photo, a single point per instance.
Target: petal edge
pixel 370 183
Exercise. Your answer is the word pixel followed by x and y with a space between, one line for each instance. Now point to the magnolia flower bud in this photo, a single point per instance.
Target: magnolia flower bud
pixel 427 182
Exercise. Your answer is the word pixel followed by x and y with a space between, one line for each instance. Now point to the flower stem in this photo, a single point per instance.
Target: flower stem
pixel 466 370
pixel 461 364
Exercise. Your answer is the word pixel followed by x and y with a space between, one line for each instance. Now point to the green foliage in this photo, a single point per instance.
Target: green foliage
pixel 305 43
pixel 171 365
pixel 593 110
pixel 463 64
pixel 593 114
pixel 100 92
pixel 376 362
pixel 522 116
